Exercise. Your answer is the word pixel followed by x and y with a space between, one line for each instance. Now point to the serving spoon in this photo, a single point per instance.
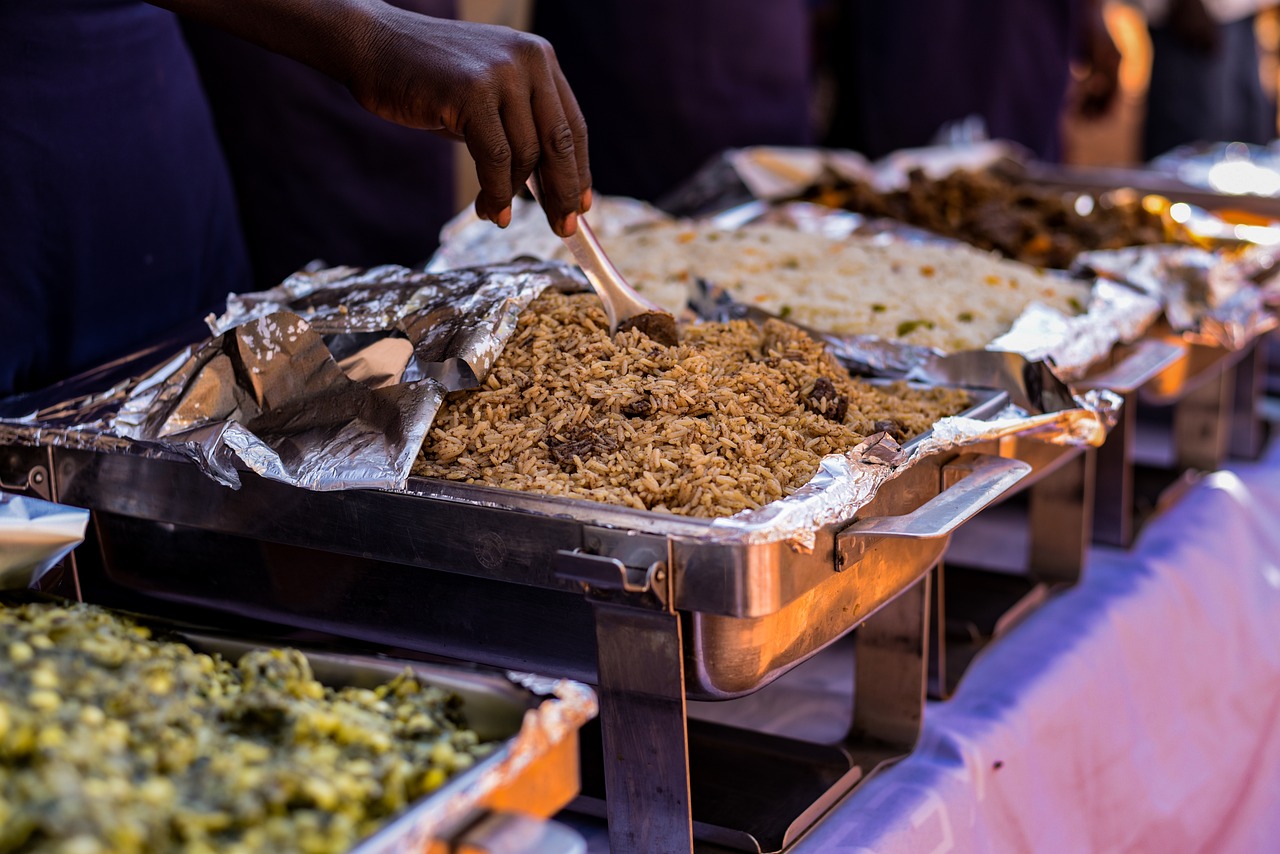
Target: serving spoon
pixel 625 308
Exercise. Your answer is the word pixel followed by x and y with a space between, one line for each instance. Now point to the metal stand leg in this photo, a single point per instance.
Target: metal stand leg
pixel 891 672
pixel 1201 433
pixel 1114 495
pixel 1246 423
pixel 1061 516
pixel 642 719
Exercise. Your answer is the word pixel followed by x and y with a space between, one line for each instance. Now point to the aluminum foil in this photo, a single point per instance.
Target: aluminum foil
pixel 329 381
pixel 847 482
pixel 566 708
pixel 468 241
pixel 1210 297
pixel 1073 344
pixel 34 536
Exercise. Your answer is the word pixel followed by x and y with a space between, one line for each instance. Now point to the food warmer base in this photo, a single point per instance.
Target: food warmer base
pixel 1209 400
pixel 1010 557
pixel 1187 409
pixel 496 586
pixel 504 803
pixel 792 783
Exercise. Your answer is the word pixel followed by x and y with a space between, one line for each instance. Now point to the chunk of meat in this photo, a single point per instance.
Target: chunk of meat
pixel 826 401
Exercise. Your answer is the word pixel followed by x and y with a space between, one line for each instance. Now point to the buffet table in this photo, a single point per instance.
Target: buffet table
pixel 1137 711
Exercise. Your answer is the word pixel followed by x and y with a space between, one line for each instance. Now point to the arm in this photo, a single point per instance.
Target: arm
pixel 1101 59
pixel 1194 26
pixel 499 90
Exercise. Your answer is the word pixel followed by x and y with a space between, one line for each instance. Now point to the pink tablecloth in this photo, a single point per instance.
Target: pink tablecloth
pixel 1139 711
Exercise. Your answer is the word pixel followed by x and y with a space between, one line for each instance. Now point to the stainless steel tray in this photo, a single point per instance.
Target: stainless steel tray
pixel 533 773
pixel 655 609
pixel 755 609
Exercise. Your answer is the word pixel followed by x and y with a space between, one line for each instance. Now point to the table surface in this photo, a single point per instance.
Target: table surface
pixel 1137 711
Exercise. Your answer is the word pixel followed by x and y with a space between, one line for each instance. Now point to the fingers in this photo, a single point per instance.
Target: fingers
pixel 579 126
pixel 562 168
pixel 487 141
pixel 525 120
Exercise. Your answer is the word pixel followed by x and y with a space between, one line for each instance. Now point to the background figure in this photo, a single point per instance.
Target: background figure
pixel 1205 82
pixel 904 70
pixel 118 224
pixel 666 84
pixel 316 175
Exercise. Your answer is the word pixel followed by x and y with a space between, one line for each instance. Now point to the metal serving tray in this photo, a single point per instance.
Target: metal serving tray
pixel 506 796
pixel 756 609
pixel 648 606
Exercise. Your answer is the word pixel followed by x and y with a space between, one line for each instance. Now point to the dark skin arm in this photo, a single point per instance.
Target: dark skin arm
pixel 498 90
pixel 1194 26
pixel 1101 82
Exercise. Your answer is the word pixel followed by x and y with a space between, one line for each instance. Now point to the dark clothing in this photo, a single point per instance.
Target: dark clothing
pixel 117 221
pixel 316 175
pixel 666 84
pixel 903 70
pixel 1194 97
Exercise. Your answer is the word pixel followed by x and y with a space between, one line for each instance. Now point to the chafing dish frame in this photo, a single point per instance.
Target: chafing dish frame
pixel 1215 396
pixel 662 634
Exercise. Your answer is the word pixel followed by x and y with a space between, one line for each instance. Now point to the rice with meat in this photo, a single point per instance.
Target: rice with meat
pixel 731 418
pixel 952 297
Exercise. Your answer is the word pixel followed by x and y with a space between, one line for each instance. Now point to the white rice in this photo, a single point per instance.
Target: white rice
pixel 949 297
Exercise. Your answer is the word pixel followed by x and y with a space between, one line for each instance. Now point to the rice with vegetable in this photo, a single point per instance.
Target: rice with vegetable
pixel 731 418
pixel 111 741
pixel 951 297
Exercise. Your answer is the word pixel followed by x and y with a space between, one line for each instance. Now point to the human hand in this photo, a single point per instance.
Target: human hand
pixel 1191 22
pixel 499 90
pixel 1101 82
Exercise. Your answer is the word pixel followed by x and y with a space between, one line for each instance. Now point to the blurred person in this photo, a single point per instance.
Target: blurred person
pixel 119 222
pixel 667 84
pixel 904 72
pixel 316 176
pixel 1205 79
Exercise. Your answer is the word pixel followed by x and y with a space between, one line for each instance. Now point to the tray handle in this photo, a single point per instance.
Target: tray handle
pixel 987 477
pixel 1150 358
pixel 513 833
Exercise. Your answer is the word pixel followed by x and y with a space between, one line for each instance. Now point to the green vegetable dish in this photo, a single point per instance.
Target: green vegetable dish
pixel 111 741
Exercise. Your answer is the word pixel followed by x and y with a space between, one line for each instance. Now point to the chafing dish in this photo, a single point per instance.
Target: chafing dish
pixel 654 609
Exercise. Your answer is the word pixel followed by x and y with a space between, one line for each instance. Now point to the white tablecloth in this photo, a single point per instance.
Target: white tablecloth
pixel 1138 711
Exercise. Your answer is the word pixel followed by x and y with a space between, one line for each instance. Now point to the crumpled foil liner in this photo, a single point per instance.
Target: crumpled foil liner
pixel 566 708
pixel 847 482
pixel 34 536
pixel 1210 297
pixel 468 241
pixel 329 381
